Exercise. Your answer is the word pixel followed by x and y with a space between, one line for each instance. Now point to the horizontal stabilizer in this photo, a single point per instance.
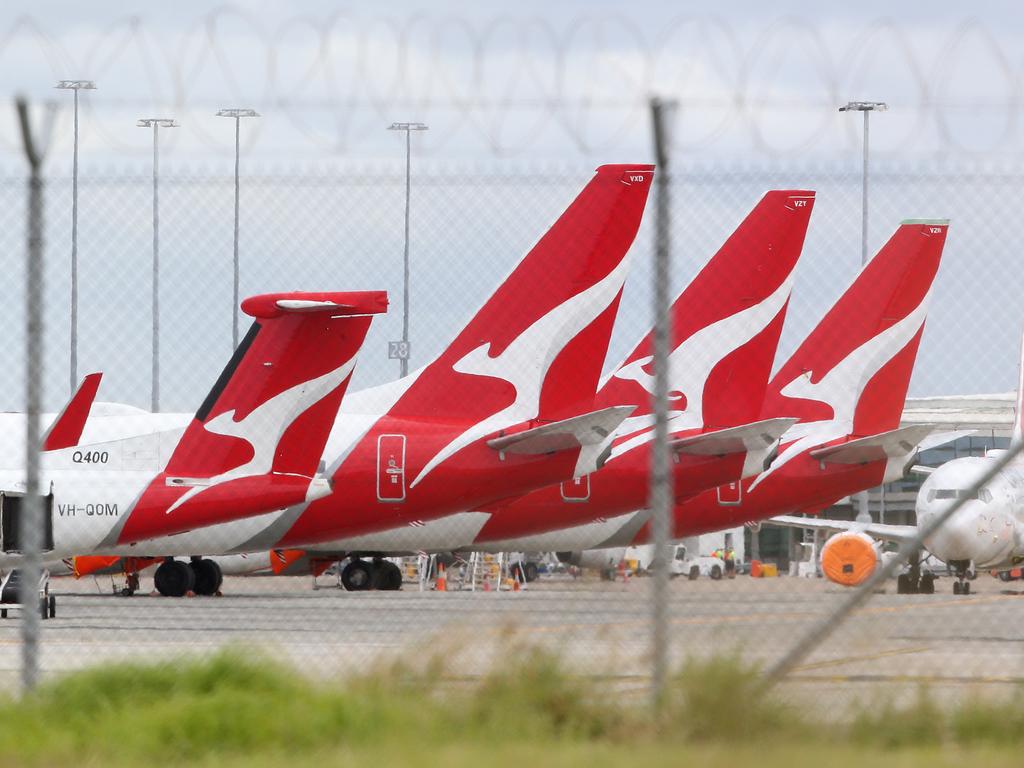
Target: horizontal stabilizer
pixel 897 533
pixel 66 430
pixel 887 445
pixel 756 436
pixel 588 429
pixel 935 439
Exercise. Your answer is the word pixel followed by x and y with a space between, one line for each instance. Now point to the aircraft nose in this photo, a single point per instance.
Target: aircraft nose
pixel 975 532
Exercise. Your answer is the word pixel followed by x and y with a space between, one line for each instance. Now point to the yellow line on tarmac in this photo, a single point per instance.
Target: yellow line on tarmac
pixel 854 659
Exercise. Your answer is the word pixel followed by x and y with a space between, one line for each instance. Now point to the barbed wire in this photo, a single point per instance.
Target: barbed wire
pixel 512 84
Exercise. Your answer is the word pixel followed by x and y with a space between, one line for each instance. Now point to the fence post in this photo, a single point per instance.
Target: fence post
pixel 660 496
pixel 30 527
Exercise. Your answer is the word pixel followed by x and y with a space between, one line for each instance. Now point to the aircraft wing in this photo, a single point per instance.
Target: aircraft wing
pixel 886 445
pixel 897 533
pixel 588 429
pixel 749 437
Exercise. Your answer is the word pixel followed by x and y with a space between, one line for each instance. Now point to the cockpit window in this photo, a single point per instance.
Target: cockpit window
pixel 984 494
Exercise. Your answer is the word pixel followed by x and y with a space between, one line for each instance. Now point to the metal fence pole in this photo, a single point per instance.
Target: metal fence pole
pixel 661 475
pixel 30 528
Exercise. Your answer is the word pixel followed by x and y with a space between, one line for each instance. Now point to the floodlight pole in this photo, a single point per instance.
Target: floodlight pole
pixel 237 114
pixel 156 123
pixel 408 128
pixel 866 107
pixel 75 86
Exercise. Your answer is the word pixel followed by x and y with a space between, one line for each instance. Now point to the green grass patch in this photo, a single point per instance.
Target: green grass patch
pixel 241 706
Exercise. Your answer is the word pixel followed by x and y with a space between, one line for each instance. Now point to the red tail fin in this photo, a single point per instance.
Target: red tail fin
pixel 66 430
pixel 257 439
pixel 855 366
pixel 536 348
pixel 726 323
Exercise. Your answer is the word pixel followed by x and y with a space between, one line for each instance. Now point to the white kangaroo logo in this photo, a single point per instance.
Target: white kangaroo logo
pixel 690 364
pixel 266 424
pixel 841 388
pixel 525 362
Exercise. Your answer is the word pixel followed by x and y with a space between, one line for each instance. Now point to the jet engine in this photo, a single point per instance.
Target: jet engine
pixel 850 558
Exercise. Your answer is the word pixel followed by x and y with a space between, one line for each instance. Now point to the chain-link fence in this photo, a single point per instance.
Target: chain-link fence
pixel 342 230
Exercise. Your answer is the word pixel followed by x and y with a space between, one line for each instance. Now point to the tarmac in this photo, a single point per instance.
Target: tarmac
pixel 895 643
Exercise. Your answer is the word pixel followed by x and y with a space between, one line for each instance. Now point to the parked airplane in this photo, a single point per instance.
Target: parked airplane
pixel 847 383
pixel 726 329
pixel 254 444
pixel 987 531
pixel 507 407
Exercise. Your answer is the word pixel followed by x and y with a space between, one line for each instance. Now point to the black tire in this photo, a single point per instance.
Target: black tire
pixel 532 572
pixel 357 576
pixel 956 587
pixel 716 573
pixel 52 606
pixel 905 585
pixel 694 573
pixel 44 611
pixel 208 577
pixel 3 613
pixel 174 579
pixel 927 586
pixel 1005 576
pixel 967 588
pixel 387 576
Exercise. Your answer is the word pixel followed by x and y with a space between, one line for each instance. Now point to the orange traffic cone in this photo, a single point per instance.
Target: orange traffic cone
pixel 441 585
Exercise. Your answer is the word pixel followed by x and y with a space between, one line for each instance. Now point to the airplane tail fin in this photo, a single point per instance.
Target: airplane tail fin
pixel 278 395
pixel 725 324
pixel 536 348
pixel 67 428
pixel 256 442
pixel 854 367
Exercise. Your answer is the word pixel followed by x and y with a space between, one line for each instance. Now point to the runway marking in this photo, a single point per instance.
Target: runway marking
pixel 854 659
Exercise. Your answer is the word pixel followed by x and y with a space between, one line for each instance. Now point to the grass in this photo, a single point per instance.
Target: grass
pixel 239 706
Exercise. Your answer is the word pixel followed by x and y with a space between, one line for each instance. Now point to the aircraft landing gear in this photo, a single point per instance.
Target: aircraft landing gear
pixel 132 584
pixel 357 576
pixel 961 586
pixel 208 576
pixel 174 578
pixel 386 576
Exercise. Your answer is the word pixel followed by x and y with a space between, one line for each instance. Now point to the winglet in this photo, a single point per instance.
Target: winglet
pixel 67 428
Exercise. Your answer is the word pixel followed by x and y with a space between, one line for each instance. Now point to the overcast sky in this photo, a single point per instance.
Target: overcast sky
pixel 523 100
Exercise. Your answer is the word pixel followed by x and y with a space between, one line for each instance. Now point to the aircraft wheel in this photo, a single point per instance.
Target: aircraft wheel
pixel 43 609
pixel 208 576
pixel 532 572
pixel 3 613
pixel 927 584
pixel 956 588
pixel 966 589
pixel 905 585
pixel 357 576
pixel 174 579
pixel 387 577
pixel 51 605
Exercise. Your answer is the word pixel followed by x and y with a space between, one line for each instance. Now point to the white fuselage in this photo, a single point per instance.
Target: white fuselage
pixel 988 530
